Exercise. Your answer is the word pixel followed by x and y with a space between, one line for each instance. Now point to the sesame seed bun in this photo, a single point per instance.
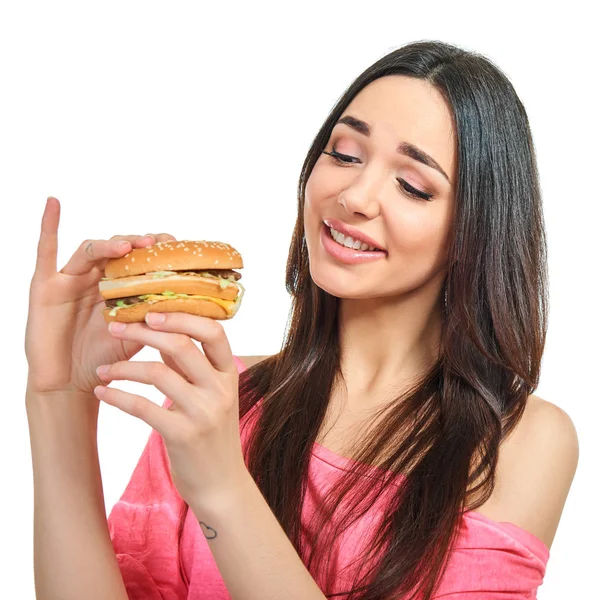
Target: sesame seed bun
pixel 194 277
pixel 192 306
pixel 178 284
pixel 175 256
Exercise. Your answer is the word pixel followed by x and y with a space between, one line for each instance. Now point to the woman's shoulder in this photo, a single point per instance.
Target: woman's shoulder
pixel 536 467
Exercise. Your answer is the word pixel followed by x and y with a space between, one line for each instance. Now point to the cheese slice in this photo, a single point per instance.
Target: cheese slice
pixel 231 306
pixel 226 304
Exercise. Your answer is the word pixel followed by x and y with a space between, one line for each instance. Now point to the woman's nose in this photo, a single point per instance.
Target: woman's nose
pixel 365 193
pixel 355 203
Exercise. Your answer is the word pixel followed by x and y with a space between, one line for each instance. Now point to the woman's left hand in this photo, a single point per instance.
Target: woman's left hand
pixel 201 428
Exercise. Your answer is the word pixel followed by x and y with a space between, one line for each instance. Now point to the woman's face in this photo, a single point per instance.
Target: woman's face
pixel 372 192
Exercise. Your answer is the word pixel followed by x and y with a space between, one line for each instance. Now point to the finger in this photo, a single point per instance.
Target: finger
pixel 172 365
pixel 135 240
pixel 163 237
pixel 208 332
pixel 188 357
pixel 48 243
pixel 94 253
pixel 141 241
pixel 152 373
pixel 160 419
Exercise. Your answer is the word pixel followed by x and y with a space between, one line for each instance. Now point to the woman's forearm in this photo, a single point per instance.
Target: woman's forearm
pixel 73 554
pixel 254 555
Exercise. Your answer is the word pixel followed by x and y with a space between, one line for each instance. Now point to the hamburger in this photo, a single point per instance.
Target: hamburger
pixel 195 277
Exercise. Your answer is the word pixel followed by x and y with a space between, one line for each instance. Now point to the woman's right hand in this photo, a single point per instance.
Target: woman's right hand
pixel 66 337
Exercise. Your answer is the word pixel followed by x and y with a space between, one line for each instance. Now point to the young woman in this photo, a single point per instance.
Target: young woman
pixel 394 447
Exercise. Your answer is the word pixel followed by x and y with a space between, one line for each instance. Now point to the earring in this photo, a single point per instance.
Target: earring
pixel 446 298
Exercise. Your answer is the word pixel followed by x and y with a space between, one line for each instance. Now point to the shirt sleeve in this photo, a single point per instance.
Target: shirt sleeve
pixel 144 527
pixel 494 561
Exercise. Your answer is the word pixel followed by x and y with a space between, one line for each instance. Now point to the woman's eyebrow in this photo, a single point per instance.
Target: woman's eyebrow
pixel 405 148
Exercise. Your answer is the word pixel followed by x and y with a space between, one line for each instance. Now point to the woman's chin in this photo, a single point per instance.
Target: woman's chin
pixel 334 284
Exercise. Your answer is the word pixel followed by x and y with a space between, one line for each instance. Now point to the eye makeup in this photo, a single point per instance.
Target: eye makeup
pixel 346 160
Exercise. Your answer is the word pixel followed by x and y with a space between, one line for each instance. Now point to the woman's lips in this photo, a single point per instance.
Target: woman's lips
pixel 355 234
pixel 346 255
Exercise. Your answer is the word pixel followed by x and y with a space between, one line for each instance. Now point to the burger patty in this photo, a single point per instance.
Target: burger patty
pixel 129 300
pixel 225 273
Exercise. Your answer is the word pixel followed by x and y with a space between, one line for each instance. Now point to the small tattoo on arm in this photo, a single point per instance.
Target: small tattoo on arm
pixel 209 532
pixel 89 249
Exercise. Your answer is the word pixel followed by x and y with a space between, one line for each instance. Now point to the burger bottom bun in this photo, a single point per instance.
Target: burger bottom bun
pixel 193 306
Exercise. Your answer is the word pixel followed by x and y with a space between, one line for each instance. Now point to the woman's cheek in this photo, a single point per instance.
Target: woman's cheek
pixel 418 238
pixel 410 231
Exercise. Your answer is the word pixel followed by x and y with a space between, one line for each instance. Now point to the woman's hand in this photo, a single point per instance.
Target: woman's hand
pixel 66 336
pixel 201 427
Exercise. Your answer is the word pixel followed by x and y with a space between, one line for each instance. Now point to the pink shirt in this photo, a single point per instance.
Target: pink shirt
pixel 490 561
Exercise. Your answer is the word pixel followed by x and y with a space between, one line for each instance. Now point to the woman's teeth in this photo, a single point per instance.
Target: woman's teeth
pixel 349 242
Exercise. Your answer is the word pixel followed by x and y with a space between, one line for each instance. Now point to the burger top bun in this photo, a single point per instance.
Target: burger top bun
pixel 184 255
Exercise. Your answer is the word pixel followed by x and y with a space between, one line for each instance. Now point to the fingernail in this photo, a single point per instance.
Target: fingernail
pixel 116 327
pixel 123 245
pixel 102 370
pixel 155 318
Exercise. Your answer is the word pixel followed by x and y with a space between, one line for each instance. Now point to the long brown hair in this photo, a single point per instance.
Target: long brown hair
pixel 442 435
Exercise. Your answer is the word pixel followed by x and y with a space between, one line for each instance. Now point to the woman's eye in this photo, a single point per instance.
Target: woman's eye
pixel 409 189
pixel 414 191
pixel 344 158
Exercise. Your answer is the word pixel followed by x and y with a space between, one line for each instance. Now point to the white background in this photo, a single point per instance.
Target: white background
pixel 194 119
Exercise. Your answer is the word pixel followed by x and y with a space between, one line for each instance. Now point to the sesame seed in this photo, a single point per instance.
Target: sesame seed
pixel 169 266
pixel 127 267
pixel 132 259
pixel 148 259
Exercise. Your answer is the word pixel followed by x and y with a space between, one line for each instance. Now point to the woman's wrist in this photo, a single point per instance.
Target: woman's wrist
pixel 62 410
